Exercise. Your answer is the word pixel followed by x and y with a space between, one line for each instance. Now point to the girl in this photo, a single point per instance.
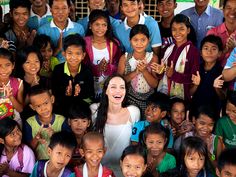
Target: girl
pixel 80 123
pixel 11 89
pixel 155 139
pixel 136 69
pixel 204 124
pixel 44 44
pixel 133 162
pixel 194 158
pixel 29 61
pixel 16 159
pixel 102 49
pixel 115 120
pixel 180 61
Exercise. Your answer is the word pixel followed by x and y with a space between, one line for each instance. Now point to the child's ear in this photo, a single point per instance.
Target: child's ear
pixel 81 151
pixel 175 5
pixel 219 54
pixel 193 120
pixel 145 167
pixel 68 121
pixel 217 172
pixel 120 164
pixel 163 114
pixel 84 54
pixel 63 54
pixel 188 30
pixel 52 99
pixel 1 141
pixel 49 151
pixel 89 122
pixel 31 106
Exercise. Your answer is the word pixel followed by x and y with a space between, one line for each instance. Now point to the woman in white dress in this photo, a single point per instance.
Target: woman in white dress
pixel 115 120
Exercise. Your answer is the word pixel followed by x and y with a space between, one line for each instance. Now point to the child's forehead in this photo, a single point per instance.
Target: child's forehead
pixel 210 44
pixel 60 147
pixel 40 97
pixel 192 152
pixel 74 48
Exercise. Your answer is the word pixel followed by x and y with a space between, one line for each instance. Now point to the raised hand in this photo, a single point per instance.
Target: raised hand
pixel 158 68
pixel 8 90
pixel 77 90
pixel 49 130
pixel 170 69
pixel 142 66
pixel 103 65
pixel 69 89
pixel 218 82
pixel 196 79
pixel 35 81
pixel 30 37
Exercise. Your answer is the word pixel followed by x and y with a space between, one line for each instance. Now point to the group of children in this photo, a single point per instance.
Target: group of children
pixel 48 84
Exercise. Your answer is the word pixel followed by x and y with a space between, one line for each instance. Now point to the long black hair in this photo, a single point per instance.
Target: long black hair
pixel 104 104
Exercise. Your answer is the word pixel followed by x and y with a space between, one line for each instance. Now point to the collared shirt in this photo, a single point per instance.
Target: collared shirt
pixel 35 21
pixel 123 30
pixel 67 71
pixel 209 19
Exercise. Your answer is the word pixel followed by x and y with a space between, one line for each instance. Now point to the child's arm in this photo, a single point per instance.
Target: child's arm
pixel 196 82
pixel 218 84
pixel 18 101
pixel 121 69
pixel 149 76
pixel 229 72
pixel 5 170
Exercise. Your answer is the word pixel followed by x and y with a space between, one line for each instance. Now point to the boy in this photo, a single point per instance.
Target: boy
pixel 39 128
pixel 60 149
pixel 166 9
pixel 226 125
pixel 226 166
pixel 208 83
pixel 19 32
pixel 93 149
pixel 40 14
pixel 203 17
pixel 158 106
pixel 60 26
pixel 131 9
pixel 72 81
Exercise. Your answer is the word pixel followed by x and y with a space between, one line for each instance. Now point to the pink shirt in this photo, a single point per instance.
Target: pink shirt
pixel 222 32
pixel 28 160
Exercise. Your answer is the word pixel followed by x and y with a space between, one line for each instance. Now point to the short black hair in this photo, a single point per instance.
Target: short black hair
pixel 5 53
pixel 94 136
pixel 214 40
pixel 130 0
pixel 80 110
pixel 231 97
pixel 225 2
pixel 63 138
pixel 158 1
pixel 13 4
pixel 207 110
pixel 134 150
pixel 227 157
pixel 38 89
pixel 174 100
pixel 160 100
pixel 51 2
pixel 139 29
pixel 74 39
pixel 41 41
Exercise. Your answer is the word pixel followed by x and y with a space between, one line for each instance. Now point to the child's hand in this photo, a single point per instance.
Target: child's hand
pixel 4 44
pixel 39 136
pixel 8 91
pixel 218 82
pixel 46 65
pixel 170 69
pixel 69 89
pixel 158 68
pixel 49 130
pixel 196 78
pixel 35 81
pixel 4 168
pixel 142 66
pixel 77 90
pixel 30 37
pixel 231 42
pixel 103 65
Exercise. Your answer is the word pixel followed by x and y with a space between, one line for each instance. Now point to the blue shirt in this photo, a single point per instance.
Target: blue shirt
pixel 123 30
pixel 209 19
pixel 50 29
pixel 141 125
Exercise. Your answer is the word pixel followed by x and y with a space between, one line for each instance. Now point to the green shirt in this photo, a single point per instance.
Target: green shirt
pixel 227 130
pixel 167 163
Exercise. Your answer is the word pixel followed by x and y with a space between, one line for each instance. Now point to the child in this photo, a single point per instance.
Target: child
pixel 11 89
pixel 194 158
pixel 132 18
pixel 178 123
pixel 102 49
pixel 60 26
pixel 80 123
pixel 156 111
pixel 136 68
pixel 72 81
pixel 155 139
pixel 44 44
pixel 39 128
pixel 133 161
pixel 93 150
pixel 204 124
pixel 180 61
pixel 28 64
pixel 226 125
pixel 227 163
pixel 166 9
pixel 60 149
pixel 16 159
pixel 208 82
pixel 19 32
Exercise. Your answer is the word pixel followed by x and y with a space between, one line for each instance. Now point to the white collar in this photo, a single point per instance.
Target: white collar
pixel 141 21
pixel 85 170
pixel 48 12
pixel 45 170
pixel 69 25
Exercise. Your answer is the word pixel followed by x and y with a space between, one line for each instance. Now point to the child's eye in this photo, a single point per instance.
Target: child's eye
pixel 138 167
pixel 69 156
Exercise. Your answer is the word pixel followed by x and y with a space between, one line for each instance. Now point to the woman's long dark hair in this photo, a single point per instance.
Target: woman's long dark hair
pixel 97 14
pixel 102 110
